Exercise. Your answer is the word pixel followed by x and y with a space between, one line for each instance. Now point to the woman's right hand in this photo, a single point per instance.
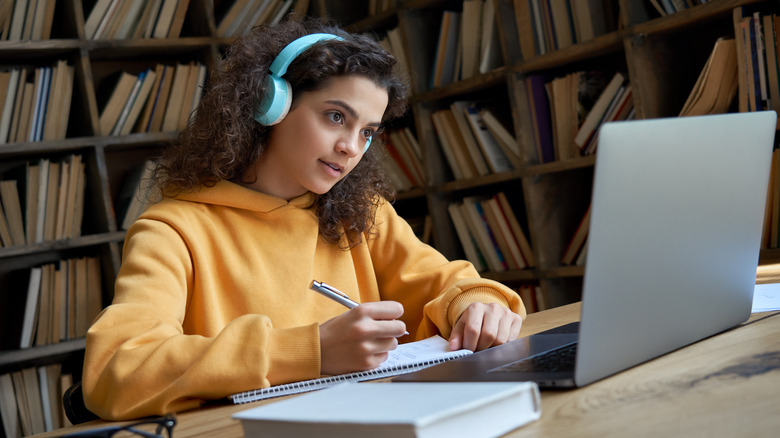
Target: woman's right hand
pixel 360 338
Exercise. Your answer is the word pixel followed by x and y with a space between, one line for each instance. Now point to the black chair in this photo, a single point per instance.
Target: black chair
pixel 73 402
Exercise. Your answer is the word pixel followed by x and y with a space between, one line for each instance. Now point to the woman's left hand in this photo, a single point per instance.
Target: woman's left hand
pixel 483 326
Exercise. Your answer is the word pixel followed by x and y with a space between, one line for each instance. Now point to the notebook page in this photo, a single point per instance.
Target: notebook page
pixel 426 350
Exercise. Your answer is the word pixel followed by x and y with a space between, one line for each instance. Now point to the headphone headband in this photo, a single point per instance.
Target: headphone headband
pixel 295 48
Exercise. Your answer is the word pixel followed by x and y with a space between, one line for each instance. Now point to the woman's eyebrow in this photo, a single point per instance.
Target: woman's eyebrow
pixel 351 111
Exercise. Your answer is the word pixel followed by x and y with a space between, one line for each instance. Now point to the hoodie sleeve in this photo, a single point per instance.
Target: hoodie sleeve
pixel 433 290
pixel 141 361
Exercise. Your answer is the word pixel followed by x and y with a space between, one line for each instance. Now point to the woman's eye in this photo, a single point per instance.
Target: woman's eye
pixel 336 117
pixel 368 133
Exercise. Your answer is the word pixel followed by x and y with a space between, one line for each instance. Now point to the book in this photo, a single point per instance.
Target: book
pixel 539 105
pixel 503 233
pixel 148 80
pixel 13 211
pixel 490 56
pixel 467 239
pixel 8 409
pixel 470 32
pixel 443 71
pixel 43 329
pixel 577 241
pixel 494 154
pixel 459 110
pixel 399 410
pixel 129 103
pixel 447 147
pixel 177 22
pixel 5 230
pixel 517 231
pixel 170 120
pixel 717 83
pixel 164 19
pixel 526 36
pixel 31 307
pixel 8 105
pixel 95 16
pixel 408 357
pixel 116 102
pixel 594 118
pixel 237 9
pixel 486 242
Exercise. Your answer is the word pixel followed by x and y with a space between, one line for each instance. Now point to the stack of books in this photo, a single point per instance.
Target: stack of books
pixel 474 142
pixel 26 19
pixel 405 169
pixel 243 15
pixel 35 103
pixel 545 26
pixel 31 400
pixel 62 300
pixel 568 111
pixel 43 202
pixel 467 45
pixel 118 20
pixel 161 99
pixel 490 233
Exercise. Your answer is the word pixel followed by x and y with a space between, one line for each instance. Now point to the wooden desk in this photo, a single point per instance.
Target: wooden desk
pixel 727 385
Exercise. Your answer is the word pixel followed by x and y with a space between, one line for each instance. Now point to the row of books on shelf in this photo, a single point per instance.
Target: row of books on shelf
pixel 668 7
pixel 405 169
pixel 475 143
pixel 468 43
pixel 62 300
pixel 243 15
pixel 548 25
pixel 533 297
pixel 116 19
pixel 490 234
pixel 35 103
pixel 393 42
pixel 568 111
pixel 160 99
pixel 32 400
pixel 757 45
pixel 43 201
pixel 26 19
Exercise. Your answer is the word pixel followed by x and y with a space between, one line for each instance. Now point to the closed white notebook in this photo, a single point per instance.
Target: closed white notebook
pixel 399 410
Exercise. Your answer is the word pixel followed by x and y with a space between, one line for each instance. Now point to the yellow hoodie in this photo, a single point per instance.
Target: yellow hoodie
pixel 213 298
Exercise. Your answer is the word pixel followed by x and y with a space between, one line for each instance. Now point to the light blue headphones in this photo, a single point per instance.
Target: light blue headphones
pixel 278 96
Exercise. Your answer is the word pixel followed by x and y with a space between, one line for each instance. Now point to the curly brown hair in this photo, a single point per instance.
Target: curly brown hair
pixel 222 139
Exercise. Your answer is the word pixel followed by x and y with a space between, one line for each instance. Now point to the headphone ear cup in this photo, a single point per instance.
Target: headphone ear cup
pixel 276 103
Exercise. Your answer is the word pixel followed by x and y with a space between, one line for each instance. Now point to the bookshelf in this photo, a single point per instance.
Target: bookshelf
pixel 660 55
pixel 95 62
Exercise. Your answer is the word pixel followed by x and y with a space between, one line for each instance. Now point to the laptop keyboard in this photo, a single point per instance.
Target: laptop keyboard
pixel 557 360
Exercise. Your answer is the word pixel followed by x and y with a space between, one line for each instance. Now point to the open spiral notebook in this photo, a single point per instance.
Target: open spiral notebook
pixel 409 357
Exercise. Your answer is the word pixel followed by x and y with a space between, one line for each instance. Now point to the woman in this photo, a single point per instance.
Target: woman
pixel 213 295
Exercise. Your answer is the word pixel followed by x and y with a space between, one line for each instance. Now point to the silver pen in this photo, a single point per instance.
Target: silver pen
pixel 335 295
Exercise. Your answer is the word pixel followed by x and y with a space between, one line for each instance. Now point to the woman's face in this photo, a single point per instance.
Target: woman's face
pixel 322 138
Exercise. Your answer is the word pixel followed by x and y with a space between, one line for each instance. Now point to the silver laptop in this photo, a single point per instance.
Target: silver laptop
pixel 676 223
